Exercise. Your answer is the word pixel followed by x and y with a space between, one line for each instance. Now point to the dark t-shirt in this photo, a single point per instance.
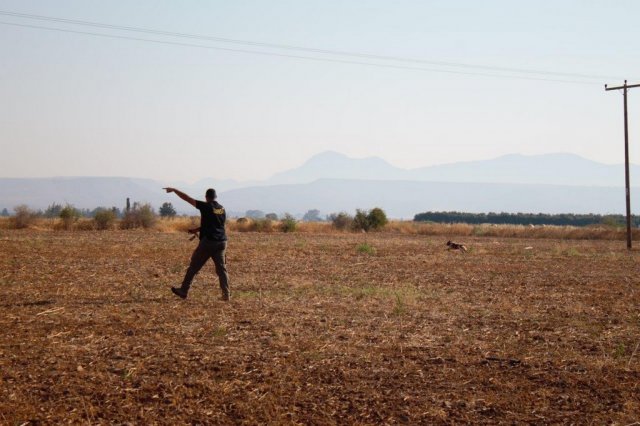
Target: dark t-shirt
pixel 212 218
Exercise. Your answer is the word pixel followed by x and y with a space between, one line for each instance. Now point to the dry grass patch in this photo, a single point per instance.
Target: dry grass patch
pixel 182 224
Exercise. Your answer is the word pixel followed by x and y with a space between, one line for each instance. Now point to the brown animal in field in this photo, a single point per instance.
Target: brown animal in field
pixel 456 246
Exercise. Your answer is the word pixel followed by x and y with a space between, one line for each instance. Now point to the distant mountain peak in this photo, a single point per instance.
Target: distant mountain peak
pixel 332 164
pixel 328 156
pixel 560 168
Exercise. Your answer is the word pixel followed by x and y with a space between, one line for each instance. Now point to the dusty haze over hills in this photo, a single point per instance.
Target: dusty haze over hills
pixel 331 182
pixel 553 169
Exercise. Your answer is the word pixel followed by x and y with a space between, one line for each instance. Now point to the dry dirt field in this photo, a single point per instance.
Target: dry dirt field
pixel 318 332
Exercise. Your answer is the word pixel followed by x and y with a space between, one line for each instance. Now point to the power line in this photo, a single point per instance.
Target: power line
pixel 300 48
pixel 309 58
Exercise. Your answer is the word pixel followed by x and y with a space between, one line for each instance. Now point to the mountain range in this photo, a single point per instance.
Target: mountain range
pixel 331 182
pixel 551 169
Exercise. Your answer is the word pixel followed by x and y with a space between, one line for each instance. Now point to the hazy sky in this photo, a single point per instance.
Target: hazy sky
pixel 82 105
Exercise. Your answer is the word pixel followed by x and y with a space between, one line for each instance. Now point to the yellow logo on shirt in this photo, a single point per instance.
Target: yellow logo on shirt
pixel 218 211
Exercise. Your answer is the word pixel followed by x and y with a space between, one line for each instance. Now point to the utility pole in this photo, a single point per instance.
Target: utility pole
pixel 625 88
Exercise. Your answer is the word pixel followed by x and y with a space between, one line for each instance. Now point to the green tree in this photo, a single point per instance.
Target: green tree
pixel 312 216
pixel 360 220
pixel 377 218
pixel 288 223
pixel 167 210
pixel 255 214
pixel 69 215
pixel 53 210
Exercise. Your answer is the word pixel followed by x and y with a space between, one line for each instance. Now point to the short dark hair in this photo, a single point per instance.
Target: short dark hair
pixel 211 193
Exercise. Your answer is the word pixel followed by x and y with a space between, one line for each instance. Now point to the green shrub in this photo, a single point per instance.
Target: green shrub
pixel 366 248
pixel 104 219
pixel 361 221
pixel 140 216
pixel 69 216
pixel 341 220
pixel 400 307
pixel 369 220
pixel 24 217
pixel 377 218
pixel 288 223
pixel 262 225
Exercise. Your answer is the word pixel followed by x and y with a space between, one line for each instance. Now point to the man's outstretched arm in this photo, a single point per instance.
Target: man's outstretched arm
pixel 181 195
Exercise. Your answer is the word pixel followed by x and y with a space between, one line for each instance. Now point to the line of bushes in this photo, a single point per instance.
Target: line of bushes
pixel 287 223
pixel 143 216
pixel 140 216
pixel 565 219
pixel 363 220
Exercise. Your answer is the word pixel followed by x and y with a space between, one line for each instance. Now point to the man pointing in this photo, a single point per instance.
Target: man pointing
pixel 213 242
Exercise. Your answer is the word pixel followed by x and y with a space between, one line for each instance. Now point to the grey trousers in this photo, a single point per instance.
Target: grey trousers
pixel 206 250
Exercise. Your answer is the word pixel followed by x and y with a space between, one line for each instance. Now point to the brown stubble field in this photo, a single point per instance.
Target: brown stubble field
pixel 317 331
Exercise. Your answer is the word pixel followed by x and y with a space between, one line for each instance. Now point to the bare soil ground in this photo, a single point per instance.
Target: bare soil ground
pixel 318 332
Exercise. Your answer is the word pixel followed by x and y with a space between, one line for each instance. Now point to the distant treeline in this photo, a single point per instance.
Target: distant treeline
pixel 564 219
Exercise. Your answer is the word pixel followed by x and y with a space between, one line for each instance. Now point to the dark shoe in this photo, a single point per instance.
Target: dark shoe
pixel 225 297
pixel 179 292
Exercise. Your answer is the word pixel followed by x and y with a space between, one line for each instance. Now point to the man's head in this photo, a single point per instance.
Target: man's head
pixel 210 194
